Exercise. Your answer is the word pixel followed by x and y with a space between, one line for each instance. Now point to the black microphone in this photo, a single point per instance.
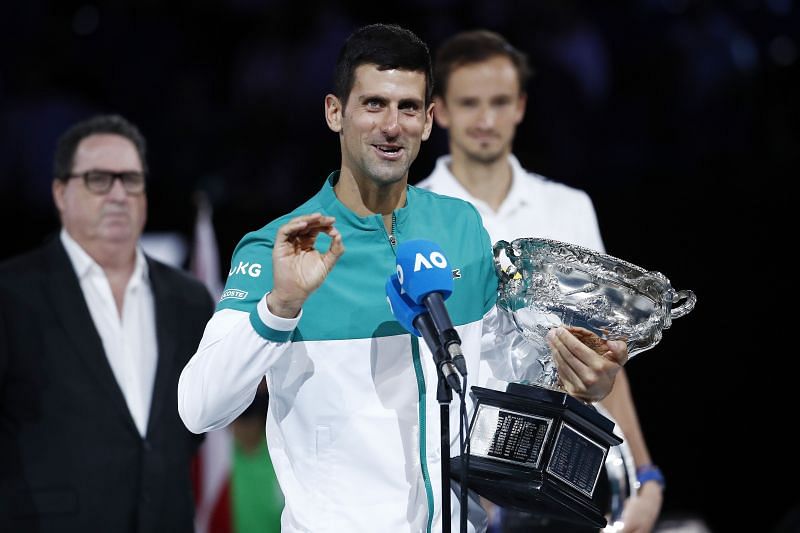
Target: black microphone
pixel 424 276
pixel 434 303
pixel 440 356
pixel 416 320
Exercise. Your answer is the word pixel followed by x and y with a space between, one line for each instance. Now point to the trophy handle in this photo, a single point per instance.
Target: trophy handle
pixel 687 306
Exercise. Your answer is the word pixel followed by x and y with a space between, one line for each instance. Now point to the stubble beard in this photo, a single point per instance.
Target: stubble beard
pixel 487 157
pixel 387 173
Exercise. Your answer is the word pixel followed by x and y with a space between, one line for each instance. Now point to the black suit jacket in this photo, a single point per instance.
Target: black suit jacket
pixel 71 458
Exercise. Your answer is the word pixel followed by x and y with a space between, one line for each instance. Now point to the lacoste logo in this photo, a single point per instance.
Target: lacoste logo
pixel 234 294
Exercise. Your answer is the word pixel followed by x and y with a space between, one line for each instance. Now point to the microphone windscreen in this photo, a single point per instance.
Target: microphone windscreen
pixel 403 308
pixel 422 269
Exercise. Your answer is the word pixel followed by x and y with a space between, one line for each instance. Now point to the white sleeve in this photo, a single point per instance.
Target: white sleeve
pixel 237 349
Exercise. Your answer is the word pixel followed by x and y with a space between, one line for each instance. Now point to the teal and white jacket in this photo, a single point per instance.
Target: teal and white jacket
pixel 353 420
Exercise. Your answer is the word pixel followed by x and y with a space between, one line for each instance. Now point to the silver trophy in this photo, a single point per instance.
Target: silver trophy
pixel 546 283
pixel 533 447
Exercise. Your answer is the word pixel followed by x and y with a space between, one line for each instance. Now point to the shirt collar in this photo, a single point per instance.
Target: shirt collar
pixel 516 195
pixel 333 206
pixel 450 186
pixel 84 264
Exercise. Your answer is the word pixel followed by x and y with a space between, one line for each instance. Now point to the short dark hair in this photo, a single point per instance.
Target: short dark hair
pixel 474 47
pixel 388 46
pixel 114 124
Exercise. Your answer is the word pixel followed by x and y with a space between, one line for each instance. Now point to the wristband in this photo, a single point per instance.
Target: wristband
pixel 647 473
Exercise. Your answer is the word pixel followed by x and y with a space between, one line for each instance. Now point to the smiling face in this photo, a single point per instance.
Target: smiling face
pixel 382 125
pixel 481 109
pixel 115 217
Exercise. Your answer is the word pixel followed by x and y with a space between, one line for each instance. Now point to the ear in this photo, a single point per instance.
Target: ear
pixel 58 194
pixel 333 112
pixel 440 112
pixel 521 103
pixel 426 131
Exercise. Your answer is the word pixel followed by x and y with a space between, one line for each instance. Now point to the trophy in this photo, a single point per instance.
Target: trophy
pixel 533 447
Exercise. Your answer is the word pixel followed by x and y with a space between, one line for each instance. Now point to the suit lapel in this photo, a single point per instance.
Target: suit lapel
pixel 71 310
pixel 164 387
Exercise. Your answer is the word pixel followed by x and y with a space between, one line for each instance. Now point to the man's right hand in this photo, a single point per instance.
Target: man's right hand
pixel 298 269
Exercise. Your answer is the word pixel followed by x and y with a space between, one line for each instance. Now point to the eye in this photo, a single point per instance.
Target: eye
pixel 373 103
pixel 409 107
pixel 98 178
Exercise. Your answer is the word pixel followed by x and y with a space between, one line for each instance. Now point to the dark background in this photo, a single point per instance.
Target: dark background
pixel 679 117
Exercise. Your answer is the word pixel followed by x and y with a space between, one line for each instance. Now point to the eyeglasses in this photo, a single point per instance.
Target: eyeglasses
pixel 101 181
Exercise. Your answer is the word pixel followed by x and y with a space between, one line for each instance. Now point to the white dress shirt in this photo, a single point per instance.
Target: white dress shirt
pixel 534 207
pixel 129 340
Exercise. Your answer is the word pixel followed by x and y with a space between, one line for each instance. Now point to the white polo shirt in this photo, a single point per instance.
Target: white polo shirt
pixel 534 207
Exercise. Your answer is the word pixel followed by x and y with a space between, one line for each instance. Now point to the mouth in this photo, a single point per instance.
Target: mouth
pixel 389 152
pixel 484 136
pixel 116 215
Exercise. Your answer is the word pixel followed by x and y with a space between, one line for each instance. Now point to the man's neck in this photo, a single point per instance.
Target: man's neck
pixel 114 258
pixel 365 198
pixel 486 181
pixel 118 261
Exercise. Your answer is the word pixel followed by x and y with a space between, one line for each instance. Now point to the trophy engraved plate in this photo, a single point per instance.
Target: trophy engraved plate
pixel 533 447
pixel 577 459
pixel 509 436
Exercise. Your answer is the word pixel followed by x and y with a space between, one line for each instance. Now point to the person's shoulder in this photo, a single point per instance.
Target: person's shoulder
pixel 180 282
pixel 452 210
pixel 547 186
pixel 173 274
pixel 425 196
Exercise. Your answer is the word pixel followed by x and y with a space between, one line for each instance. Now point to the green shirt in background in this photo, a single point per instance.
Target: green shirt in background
pixel 256 497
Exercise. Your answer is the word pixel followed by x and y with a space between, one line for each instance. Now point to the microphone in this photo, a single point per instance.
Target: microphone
pixel 423 275
pixel 415 319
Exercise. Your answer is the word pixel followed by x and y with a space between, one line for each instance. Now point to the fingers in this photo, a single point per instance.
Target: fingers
pixel 566 374
pixel 617 352
pixel 566 343
pixel 335 250
pixel 305 225
pixel 572 370
pixel 586 364
pixel 298 268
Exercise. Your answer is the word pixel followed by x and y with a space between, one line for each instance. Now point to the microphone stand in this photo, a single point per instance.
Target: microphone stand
pixel 444 395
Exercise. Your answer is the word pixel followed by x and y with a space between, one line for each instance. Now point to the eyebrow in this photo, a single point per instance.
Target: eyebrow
pixel 368 97
pixel 384 100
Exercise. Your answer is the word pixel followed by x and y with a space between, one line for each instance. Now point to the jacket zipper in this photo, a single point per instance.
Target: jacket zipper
pixel 392 238
pixel 422 409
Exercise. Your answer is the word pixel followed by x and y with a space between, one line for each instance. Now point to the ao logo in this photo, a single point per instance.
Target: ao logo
pixel 436 259
pixel 253 270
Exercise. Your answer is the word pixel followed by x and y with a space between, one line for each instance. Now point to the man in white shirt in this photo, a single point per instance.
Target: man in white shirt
pixel 93 335
pixel 480 99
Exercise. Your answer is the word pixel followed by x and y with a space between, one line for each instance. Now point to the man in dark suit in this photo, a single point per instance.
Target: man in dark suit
pixel 93 337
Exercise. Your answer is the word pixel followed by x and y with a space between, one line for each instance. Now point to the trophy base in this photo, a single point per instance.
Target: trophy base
pixel 539 451
pixel 532 495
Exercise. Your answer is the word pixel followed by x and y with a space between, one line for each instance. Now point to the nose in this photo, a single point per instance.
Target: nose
pixel 486 117
pixel 390 126
pixel 117 191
